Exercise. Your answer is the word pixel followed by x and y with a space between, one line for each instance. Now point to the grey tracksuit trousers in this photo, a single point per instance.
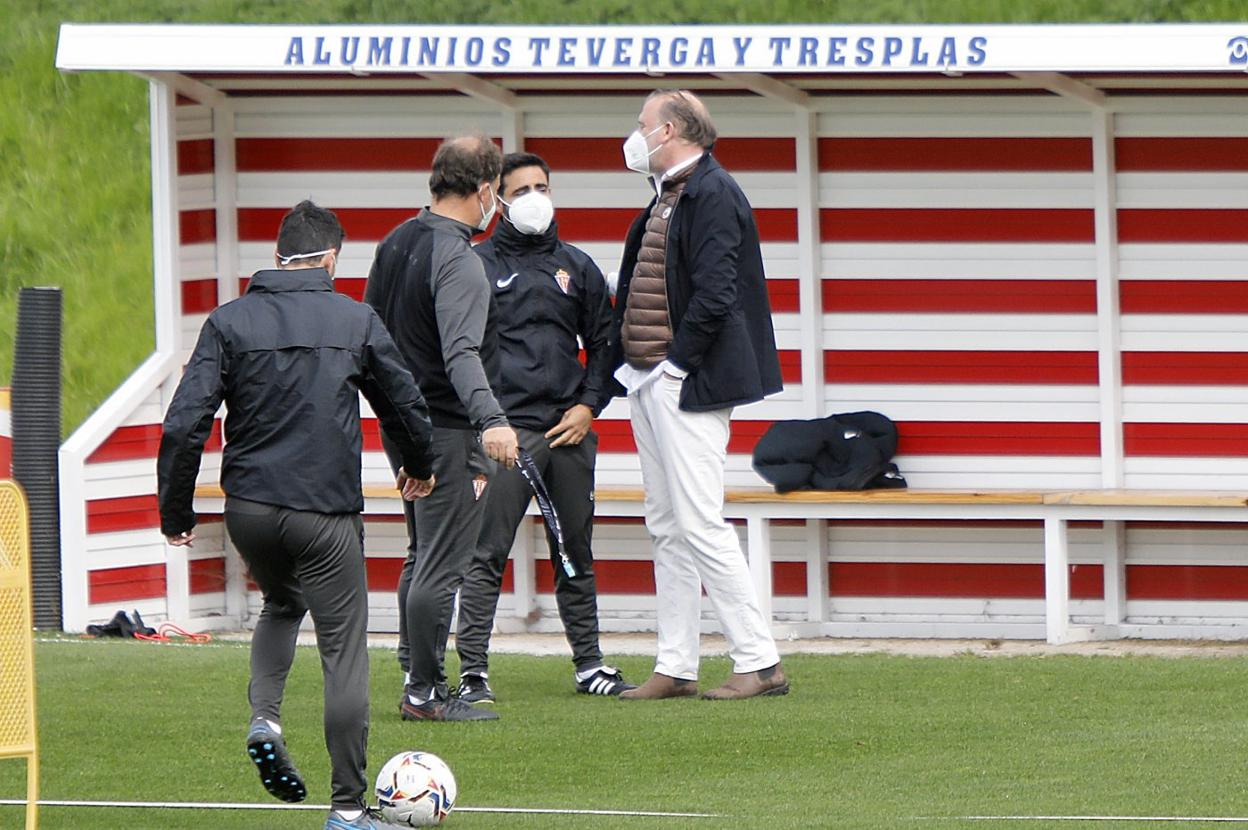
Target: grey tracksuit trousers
pixel 310 562
pixel 442 533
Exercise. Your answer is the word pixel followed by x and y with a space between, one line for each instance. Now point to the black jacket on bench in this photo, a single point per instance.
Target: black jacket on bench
pixel 840 452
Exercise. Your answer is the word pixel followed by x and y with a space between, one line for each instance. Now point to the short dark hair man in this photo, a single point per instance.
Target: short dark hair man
pixel 692 338
pixel 289 359
pixel 549 293
pixel 431 291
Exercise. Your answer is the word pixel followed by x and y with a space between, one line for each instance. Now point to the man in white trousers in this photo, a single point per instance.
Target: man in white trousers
pixel 692 338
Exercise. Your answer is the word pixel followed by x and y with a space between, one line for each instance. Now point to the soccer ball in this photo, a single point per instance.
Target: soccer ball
pixel 416 789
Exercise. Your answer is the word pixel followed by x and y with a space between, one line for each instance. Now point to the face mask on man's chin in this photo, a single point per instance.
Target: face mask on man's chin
pixel 487 216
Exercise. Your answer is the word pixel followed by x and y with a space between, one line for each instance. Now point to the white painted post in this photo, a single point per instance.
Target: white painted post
pixel 524 573
pixel 809 260
pixel 513 130
pixel 1056 581
pixel 1114 540
pixel 225 197
pixel 758 540
pixel 817 570
pixel 1109 321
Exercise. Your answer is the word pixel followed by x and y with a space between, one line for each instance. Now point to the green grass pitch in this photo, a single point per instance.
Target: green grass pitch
pixel 862 742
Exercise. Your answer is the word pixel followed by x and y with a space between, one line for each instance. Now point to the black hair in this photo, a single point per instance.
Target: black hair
pixel 514 161
pixel 309 228
pixel 461 165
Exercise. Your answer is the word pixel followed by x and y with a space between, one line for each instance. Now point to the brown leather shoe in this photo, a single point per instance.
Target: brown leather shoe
pixel 660 686
pixel 769 681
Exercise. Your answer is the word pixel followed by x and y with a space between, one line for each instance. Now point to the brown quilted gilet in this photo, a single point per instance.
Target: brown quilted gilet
pixel 647 331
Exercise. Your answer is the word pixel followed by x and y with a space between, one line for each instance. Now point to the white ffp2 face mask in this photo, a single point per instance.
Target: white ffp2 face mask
pixel 488 215
pixel 637 153
pixel 531 213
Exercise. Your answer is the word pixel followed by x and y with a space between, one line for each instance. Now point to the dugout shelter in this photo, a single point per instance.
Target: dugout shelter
pixel 1028 245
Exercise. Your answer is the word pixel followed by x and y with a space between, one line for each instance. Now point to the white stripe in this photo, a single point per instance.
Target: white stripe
pixel 1193 819
pixel 212 805
pixel 973 332
pixel 957 260
pixel 908 189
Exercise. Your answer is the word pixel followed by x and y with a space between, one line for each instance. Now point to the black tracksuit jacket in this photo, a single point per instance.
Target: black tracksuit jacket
pixel 539 322
pixel 289 359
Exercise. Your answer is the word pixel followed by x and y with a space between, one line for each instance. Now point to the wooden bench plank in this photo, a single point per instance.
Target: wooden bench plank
pixel 1149 498
pixel 765 496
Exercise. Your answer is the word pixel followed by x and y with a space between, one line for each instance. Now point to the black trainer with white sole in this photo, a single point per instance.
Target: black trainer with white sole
pixel 607 681
pixel 267 752
pixel 473 688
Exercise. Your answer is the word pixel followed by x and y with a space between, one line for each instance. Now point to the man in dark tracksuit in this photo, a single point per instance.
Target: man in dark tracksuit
pixel 289 360
pixel 431 291
pixel 549 294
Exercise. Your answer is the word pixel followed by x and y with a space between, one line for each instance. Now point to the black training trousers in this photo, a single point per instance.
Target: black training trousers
pixel 310 562
pixel 442 533
pixel 569 475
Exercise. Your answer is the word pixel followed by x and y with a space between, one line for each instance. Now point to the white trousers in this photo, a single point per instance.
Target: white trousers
pixel 682 468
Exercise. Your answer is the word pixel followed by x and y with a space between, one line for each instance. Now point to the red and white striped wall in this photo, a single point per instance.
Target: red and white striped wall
pixel 1038 298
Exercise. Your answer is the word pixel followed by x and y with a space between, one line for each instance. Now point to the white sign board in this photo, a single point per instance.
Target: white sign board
pixel 822 48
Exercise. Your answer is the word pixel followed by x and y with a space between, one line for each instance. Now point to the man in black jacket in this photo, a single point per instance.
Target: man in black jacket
pixel 549 293
pixel 431 291
pixel 289 360
pixel 692 338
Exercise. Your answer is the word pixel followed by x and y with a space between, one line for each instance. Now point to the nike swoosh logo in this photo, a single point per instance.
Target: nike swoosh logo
pixel 508 281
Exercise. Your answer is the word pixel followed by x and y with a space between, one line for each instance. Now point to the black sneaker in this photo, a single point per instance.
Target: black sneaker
pixel 473 688
pixel 267 751
pixel 450 709
pixel 606 681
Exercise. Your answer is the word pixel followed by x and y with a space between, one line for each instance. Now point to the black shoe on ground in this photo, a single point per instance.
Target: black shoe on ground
pixel 267 752
pixel 473 688
pixel 606 681
pixel 449 709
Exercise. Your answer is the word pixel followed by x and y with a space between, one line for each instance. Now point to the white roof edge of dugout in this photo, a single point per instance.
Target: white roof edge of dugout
pixel 822 49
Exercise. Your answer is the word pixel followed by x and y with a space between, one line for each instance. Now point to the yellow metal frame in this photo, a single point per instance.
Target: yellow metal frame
pixel 18 734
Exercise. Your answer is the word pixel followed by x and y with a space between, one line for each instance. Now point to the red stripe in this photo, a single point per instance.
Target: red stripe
pixel 6 456
pixel 955 225
pixel 998 438
pixel 207 576
pixel 790 365
pixel 126 513
pixel 950 580
pixel 1183 297
pixel 383 571
pixel 863 366
pixel 195 226
pixel 1189 582
pixel 784 296
pixel 1182 225
pixel 575 225
pixel 195 156
pixel 970 154
pixel 353 287
pixel 134 442
pixel 607 154
pixel 1186 440
pixel 199 296
pixel 1185 368
pixel 1182 154
pixel 346 154
pixel 974 296
pixel 126 584
pixel 615 435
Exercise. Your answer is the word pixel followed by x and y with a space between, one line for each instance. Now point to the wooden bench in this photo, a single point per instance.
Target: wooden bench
pixel 759 507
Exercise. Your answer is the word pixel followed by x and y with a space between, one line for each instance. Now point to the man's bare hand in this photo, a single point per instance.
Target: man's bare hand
pixel 572 427
pixel 414 488
pixel 501 445
pixel 183 539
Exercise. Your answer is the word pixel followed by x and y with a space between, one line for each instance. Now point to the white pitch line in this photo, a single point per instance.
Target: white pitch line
pixel 217 805
pixel 1190 819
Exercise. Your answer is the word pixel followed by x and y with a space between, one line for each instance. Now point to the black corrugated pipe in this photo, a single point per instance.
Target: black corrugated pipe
pixel 36 401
